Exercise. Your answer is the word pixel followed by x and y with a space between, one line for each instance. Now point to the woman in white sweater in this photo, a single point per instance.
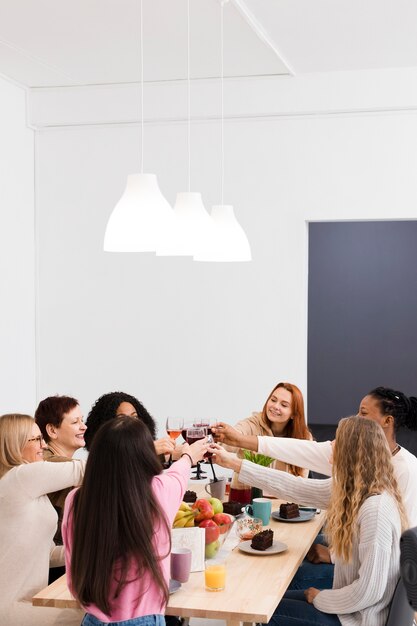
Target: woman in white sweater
pixel 28 523
pixel 365 518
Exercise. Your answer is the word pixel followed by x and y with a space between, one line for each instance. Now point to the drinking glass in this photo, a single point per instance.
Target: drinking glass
pixel 215 575
pixel 193 434
pixel 174 426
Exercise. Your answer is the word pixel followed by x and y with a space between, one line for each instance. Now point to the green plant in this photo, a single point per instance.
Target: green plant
pixel 259 459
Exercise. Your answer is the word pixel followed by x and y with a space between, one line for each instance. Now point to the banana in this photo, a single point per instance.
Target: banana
pixel 184 507
pixel 180 523
pixel 179 515
pixel 184 520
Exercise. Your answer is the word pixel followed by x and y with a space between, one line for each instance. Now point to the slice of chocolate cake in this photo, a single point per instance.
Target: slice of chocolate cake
pixel 262 540
pixel 289 510
pixel 233 508
pixel 190 496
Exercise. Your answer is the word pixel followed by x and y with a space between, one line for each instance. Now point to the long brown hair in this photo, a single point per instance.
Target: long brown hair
pixel 115 515
pixel 15 430
pixel 362 467
pixel 296 427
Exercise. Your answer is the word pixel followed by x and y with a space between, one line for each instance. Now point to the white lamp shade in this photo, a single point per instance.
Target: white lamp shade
pixel 230 243
pixel 139 218
pixel 194 224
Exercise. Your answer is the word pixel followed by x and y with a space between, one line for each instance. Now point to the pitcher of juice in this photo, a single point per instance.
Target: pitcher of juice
pixel 239 492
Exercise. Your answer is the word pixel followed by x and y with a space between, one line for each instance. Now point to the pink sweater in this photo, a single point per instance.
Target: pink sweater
pixel 169 489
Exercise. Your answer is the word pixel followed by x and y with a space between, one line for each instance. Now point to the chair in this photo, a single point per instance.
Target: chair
pixel 400 613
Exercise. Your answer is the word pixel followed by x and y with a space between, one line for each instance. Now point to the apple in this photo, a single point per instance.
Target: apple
pixel 212 530
pixel 204 510
pixel 223 521
pixel 212 549
pixel 217 505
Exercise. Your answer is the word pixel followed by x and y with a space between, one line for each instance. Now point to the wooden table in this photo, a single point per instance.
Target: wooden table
pixel 254 584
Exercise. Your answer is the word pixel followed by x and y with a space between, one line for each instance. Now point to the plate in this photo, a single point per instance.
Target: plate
pixel 277 546
pixel 305 515
pixel 174 585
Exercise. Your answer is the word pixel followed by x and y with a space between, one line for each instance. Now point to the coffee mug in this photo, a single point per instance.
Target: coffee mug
pixel 260 507
pixel 180 564
pixel 217 489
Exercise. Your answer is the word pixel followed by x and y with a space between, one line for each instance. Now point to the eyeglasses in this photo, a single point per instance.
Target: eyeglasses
pixel 39 439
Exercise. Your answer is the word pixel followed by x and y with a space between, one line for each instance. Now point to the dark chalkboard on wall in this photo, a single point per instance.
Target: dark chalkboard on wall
pixel 362 313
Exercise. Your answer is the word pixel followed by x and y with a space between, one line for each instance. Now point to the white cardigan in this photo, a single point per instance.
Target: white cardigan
pixel 363 589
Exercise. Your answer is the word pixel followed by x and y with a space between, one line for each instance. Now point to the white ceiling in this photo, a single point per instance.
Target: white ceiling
pixel 47 43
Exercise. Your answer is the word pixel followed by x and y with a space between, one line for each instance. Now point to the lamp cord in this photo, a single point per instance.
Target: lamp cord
pixel 222 97
pixel 141 83
pixel 188 96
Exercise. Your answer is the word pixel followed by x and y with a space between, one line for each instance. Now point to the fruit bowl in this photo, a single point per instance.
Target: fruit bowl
pixel 216 535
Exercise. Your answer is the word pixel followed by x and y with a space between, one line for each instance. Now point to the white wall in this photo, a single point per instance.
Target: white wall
pixel 203 339
pixel 17 271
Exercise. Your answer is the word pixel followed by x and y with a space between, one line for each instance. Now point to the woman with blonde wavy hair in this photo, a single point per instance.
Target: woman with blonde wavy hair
pixel 28 522
pixel 365 520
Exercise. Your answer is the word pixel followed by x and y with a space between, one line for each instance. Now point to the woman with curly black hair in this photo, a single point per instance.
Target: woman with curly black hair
pixel 118 405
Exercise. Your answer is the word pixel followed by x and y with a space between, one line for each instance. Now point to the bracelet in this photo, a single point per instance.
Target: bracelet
pixel 189 456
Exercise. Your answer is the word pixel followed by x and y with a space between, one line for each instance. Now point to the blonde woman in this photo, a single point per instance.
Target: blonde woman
pixel 364 523
pixel 28 522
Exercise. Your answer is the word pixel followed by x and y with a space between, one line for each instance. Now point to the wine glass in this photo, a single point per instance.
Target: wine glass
pixel 193 434
pixel 174 426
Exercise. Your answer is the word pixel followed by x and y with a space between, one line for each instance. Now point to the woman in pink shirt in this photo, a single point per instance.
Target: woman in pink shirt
pixel 116 527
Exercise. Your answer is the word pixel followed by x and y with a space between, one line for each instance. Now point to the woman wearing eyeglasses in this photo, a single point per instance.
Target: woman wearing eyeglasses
pixel 28 522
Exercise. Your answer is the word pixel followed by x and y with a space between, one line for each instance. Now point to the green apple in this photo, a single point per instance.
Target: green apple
pixel 217 505
pixel 212 549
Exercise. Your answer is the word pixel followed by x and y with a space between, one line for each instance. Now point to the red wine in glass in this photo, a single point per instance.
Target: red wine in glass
pixel 192 435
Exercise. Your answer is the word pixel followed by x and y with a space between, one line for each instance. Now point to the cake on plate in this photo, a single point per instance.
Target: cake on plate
pixel 262 540
pixel 289 510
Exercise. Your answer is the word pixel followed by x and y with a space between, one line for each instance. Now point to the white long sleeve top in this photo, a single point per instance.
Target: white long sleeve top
pixel 362 589
pixel 28 523
pixel 316 456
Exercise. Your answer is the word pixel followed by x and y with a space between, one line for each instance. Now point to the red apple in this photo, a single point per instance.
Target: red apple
pixel 204 510
pixel 223 521
pixel 212 530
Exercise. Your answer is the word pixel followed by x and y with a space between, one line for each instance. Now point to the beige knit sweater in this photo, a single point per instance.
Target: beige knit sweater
pixel 27 526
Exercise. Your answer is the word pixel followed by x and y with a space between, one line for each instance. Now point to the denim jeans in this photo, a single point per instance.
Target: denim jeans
pixel 319 575
pixel 145 620
pixel 294 610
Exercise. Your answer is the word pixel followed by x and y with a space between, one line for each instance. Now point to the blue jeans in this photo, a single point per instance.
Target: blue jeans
pixel 145 620
pixel 319 575
pixel 294 610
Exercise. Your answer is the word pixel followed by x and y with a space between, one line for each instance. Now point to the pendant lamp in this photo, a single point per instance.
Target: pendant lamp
pixel 192 220
pixel 142 214
pixel 228 242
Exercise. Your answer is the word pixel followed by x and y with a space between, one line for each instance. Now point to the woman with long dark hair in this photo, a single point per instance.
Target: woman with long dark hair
pixel 116 527
pixel 365 519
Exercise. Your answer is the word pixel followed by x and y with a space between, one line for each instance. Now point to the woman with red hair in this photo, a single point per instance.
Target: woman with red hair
pixel 282 416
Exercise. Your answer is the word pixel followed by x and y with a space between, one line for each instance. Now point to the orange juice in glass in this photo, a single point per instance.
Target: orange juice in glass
pixel 215 575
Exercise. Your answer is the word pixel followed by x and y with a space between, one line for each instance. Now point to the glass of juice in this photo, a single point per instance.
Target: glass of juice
pixel 215 575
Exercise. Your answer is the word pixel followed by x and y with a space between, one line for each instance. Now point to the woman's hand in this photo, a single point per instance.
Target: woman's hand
pixel 318 554
pixel 164 446
pixel 196 450
pixel 224 433
pixel 224 458
pixel 310 594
